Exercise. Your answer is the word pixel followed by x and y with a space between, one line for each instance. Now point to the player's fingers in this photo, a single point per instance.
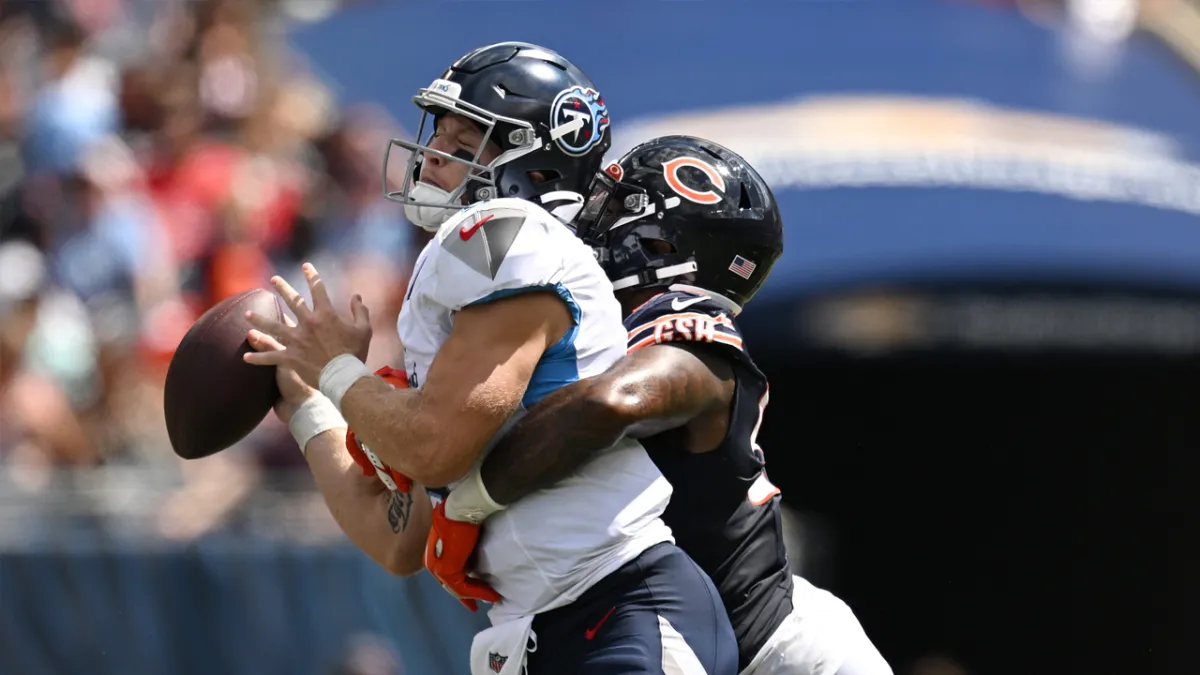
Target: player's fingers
pixel 277 329
pixel 263 342
pixel 359 311
pixel 316 288
pixel 290 295
pixel 273 358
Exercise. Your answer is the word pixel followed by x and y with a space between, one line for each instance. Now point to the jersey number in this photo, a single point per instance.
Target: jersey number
pixel 762 490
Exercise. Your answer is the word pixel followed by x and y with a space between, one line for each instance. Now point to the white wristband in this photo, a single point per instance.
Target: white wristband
pixel 339 375
pixel 316 415
pixel 469 501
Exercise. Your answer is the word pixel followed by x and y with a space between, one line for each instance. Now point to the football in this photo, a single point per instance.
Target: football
pixel 212 397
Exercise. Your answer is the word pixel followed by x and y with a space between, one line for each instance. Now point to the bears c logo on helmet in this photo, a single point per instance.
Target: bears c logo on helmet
pixel 578 120
pixel 671 171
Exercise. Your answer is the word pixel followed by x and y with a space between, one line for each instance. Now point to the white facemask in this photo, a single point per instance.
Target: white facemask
pixel 429 218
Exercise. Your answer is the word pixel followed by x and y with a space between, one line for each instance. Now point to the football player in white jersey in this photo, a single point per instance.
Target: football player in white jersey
pixel 504 306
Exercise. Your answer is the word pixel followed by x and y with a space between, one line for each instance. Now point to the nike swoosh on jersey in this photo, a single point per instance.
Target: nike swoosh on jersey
pixel 591 632
pixel 678 306
pixel 467 230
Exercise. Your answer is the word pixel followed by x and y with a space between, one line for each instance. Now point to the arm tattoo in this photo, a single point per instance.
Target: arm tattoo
pixel 647 392
pixel 399 506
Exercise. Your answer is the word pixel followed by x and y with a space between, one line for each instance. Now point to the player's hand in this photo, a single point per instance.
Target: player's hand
pixel 292 390
pixel 449 547
pixel 320 335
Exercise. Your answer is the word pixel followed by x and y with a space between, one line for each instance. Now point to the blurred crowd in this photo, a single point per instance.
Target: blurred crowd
pixel 157 156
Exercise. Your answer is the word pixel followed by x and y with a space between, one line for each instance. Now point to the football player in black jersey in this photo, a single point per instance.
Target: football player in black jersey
pixel 688 233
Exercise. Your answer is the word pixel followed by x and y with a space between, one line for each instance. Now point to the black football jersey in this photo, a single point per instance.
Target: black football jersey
pixel 724 512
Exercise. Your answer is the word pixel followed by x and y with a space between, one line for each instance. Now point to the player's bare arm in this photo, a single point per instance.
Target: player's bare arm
pixel 647 392
pixel 389 526
pixel 434 434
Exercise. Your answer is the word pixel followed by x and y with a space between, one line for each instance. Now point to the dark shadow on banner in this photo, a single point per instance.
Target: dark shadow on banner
pixel 1012 506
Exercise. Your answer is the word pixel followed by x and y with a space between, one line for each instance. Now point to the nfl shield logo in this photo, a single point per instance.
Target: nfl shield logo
pixel 496 662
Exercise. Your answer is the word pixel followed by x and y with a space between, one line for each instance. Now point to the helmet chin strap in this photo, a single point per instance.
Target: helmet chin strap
pixel 429 218
pixel 563 204
pixel 650 276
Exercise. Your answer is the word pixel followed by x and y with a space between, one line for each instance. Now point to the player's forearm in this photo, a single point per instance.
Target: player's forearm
pixel 390 527
pixel 398 429
pixel 560 434
pixel 646 392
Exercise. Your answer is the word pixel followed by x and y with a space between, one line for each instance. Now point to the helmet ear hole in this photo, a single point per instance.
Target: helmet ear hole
pixel 656 246
pixel 540 176
pixel 744 199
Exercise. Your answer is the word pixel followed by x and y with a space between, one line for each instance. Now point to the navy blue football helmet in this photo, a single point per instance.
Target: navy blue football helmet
pixel 683 210
pixel 550 123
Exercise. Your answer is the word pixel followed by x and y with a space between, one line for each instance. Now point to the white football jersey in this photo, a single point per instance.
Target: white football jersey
pixel 545 550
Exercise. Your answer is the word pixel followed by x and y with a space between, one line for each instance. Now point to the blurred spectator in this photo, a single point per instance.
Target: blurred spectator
pixel 157 156
pixel 76 103
pixel 39 424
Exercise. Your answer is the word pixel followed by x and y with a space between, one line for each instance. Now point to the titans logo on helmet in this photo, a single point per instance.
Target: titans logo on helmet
pixel 578 120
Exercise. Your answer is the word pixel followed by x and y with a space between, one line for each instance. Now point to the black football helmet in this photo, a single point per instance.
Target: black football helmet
pixel 542 111
pixel 683 210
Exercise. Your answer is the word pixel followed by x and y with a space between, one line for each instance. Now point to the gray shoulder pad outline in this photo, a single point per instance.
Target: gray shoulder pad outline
pixel 482 239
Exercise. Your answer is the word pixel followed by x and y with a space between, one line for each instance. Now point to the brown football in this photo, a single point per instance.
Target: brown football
pixel 213 398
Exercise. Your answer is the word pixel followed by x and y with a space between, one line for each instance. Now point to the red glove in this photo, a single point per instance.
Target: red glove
pixel 403 483
pixel 450 545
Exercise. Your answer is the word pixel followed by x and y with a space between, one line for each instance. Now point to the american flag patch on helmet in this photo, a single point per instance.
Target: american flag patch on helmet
pixel 742 267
